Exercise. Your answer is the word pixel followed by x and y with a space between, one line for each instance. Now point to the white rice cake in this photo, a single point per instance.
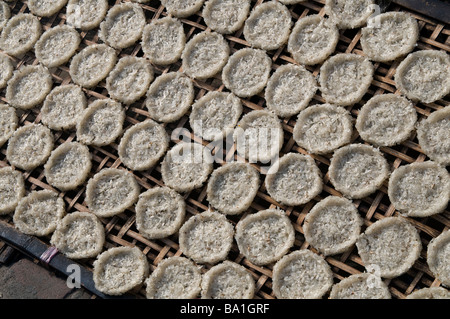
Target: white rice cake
pixel 119 270
pixel 160 212
pixel 301 274
pixel 389 247
pixel 430 293
pixel 358 170
pixel 225 16
pixel 322 128
pixel 45 8
pixel 79 235
pixel 39 212
pixel 20 34
pixel 279 95
pixel 264 237
pixel 111 191
pixel 296 180
pixel 360 286
pixel 12 189
pixel 8 122
pixel 349 14
pixel 28 86
pixel 182 8
pixel 313 39
pixel 419 189
pixel 333 225
pixel 30 146
pixel 232 187
pixel 174 278
pixel 345 78
pixel 438 255
pixel 5 14
pixel 205 55
pixel 386 120
pixel 86 14
pixel 206 237
pixel 6 69
pixel 68 166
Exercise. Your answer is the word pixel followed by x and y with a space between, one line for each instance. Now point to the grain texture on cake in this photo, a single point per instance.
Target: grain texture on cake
pixel 5 14
pixel 12 189
pixel 45 8
pixel 225 16
pixel 6 69
pixel 8 122
pixel 360 286
pixel 182 8
pixel 349 14
pixel 438 254
pixel 20 34
pixel 430 293
pixel 86 14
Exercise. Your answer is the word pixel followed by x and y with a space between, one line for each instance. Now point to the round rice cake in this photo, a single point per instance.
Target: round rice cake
pixel 182 8
pixel 349 14
pixel 20 34
pixel 101 123
pixel 57 45
pixel 86 14
pixel 268 26
pixel 313 39
pixel 130 79
pixel 281 99
pixel 206 237
pixel 391 35
pixel 45 8
pixel 174 278
pixel 228 280
pixel 68 166
pixel 225 16
pixel 63 106
pixel 386 120
pixel 419 189
pixel 360 286
pixel 205 55
pixel 169 97
pixel 92 64
pixel 424 75
pixel 433 135
pixel 232 187
pixel 358 170
pixel 30 146
pixel 5 14
pixel 301 274
pixel 389 246
pixel 119 270
pixel 264 237
pixel 215 115
pixel 438 254
pixel 333 225
pixel 111 191
pixel 163 41
pixel 322 128
pixel 160 212
pixel 8 122
pixel 28 86
pixel 39 212
pixel 430 293
pixel 79 235
pixel 247 72
pixel 345 78
pixel 296 180
pixel 259 136
pixel 143 145
pixel 12 189
pixel 123 25
pixel 6 69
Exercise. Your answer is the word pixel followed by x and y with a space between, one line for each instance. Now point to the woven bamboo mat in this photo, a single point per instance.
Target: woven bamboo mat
pixel 121 230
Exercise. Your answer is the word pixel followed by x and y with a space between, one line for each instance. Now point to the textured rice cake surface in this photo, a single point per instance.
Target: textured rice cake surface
pixel 206 237
pixel 111 191
pixel 28 86
pixel 86 14
pixel 333 225
pixel 419 189
pixel 360 286
pixel 296 180
pixel 182 8
pixel 438 254
pixel 45 8
pixel 322 128
pixel 6 69
pixel 30 146
pixel 8 122
pixel 358 170
pixel 389 246
pixel 349 14
pixel 232 187
pixel 5 14
pixel 228 280
pixel 301 274
pixel 312 39
pixel 68 166
pixel 12 189
pixel 264 237
pixel 386 120
pixel 225 16
pixel 424 75
pixel 39 212
pixel 281 98
pixel 174 278
pixel 160 212
pixel 20 34
pixel 430 293
pixel 389 36
pixel 120 269
pixel 79 235
pixel 268 26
